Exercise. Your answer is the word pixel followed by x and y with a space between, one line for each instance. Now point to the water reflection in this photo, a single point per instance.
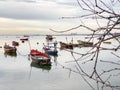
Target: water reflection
pixel 43 67
pixel 12 54
pixel 55 59
pixel 62 65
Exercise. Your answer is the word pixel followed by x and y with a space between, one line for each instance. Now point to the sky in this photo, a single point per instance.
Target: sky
pixel 35 16
pixel 39 16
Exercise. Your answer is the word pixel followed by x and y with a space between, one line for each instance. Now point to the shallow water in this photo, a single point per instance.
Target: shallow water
pixel 16 72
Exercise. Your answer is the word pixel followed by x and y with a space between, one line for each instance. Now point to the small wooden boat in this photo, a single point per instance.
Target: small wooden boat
pixel 24 39
pixel 26 35
pixel 40 57
pixel 10 49
pixel 66 46
pixel 85 43
pixel 52 52
pixel 14 43
pixel 49 37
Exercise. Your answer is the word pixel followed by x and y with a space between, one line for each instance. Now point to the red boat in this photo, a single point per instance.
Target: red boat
pixel 14 43
pixel 24 39
pixel 40 57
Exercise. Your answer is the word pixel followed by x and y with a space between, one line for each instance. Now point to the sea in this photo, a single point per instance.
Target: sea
pixel 69 70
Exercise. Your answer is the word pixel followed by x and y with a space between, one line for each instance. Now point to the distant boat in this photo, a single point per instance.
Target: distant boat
pixel 66 46
pixel 24 39
pixel 49 37
pixel 10 49
pixel 40 57
pixel 14 43
pixel 26 35
pixel 85 43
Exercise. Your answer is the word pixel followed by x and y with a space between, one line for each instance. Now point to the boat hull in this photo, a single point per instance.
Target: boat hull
pixel 52 52
pixel 65 46
pixel 14 43
pixel 10 49
pixel 24 39
pixel 40 60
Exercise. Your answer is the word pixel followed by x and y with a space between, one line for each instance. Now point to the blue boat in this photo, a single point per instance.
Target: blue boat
pixel 51 50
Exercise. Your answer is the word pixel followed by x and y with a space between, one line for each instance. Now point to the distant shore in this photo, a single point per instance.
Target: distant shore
pixel 53 34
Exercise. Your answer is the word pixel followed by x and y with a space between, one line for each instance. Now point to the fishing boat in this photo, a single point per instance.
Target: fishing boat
pixel 51 50
pixel 14 43
pixel 24 39
pixel 26 35
pixel 66 46
pixel 49 37
pixel 40 57
pixel 9 49
pixel 85 43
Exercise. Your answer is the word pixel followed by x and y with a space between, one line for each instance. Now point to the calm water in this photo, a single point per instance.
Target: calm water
pixel 16 72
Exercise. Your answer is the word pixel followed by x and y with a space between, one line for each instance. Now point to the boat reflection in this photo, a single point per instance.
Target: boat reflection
pixel 43 67
pixel 55 59
pixel 12 54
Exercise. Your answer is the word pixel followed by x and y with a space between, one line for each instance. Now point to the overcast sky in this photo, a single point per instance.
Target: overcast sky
pixel 38 16
pixel 35 16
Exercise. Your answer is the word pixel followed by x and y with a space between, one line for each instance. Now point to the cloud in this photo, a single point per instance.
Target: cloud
pixel 38 9
pixel 36 16
pixel 32 1
pixel 13 26
pixel 3 0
